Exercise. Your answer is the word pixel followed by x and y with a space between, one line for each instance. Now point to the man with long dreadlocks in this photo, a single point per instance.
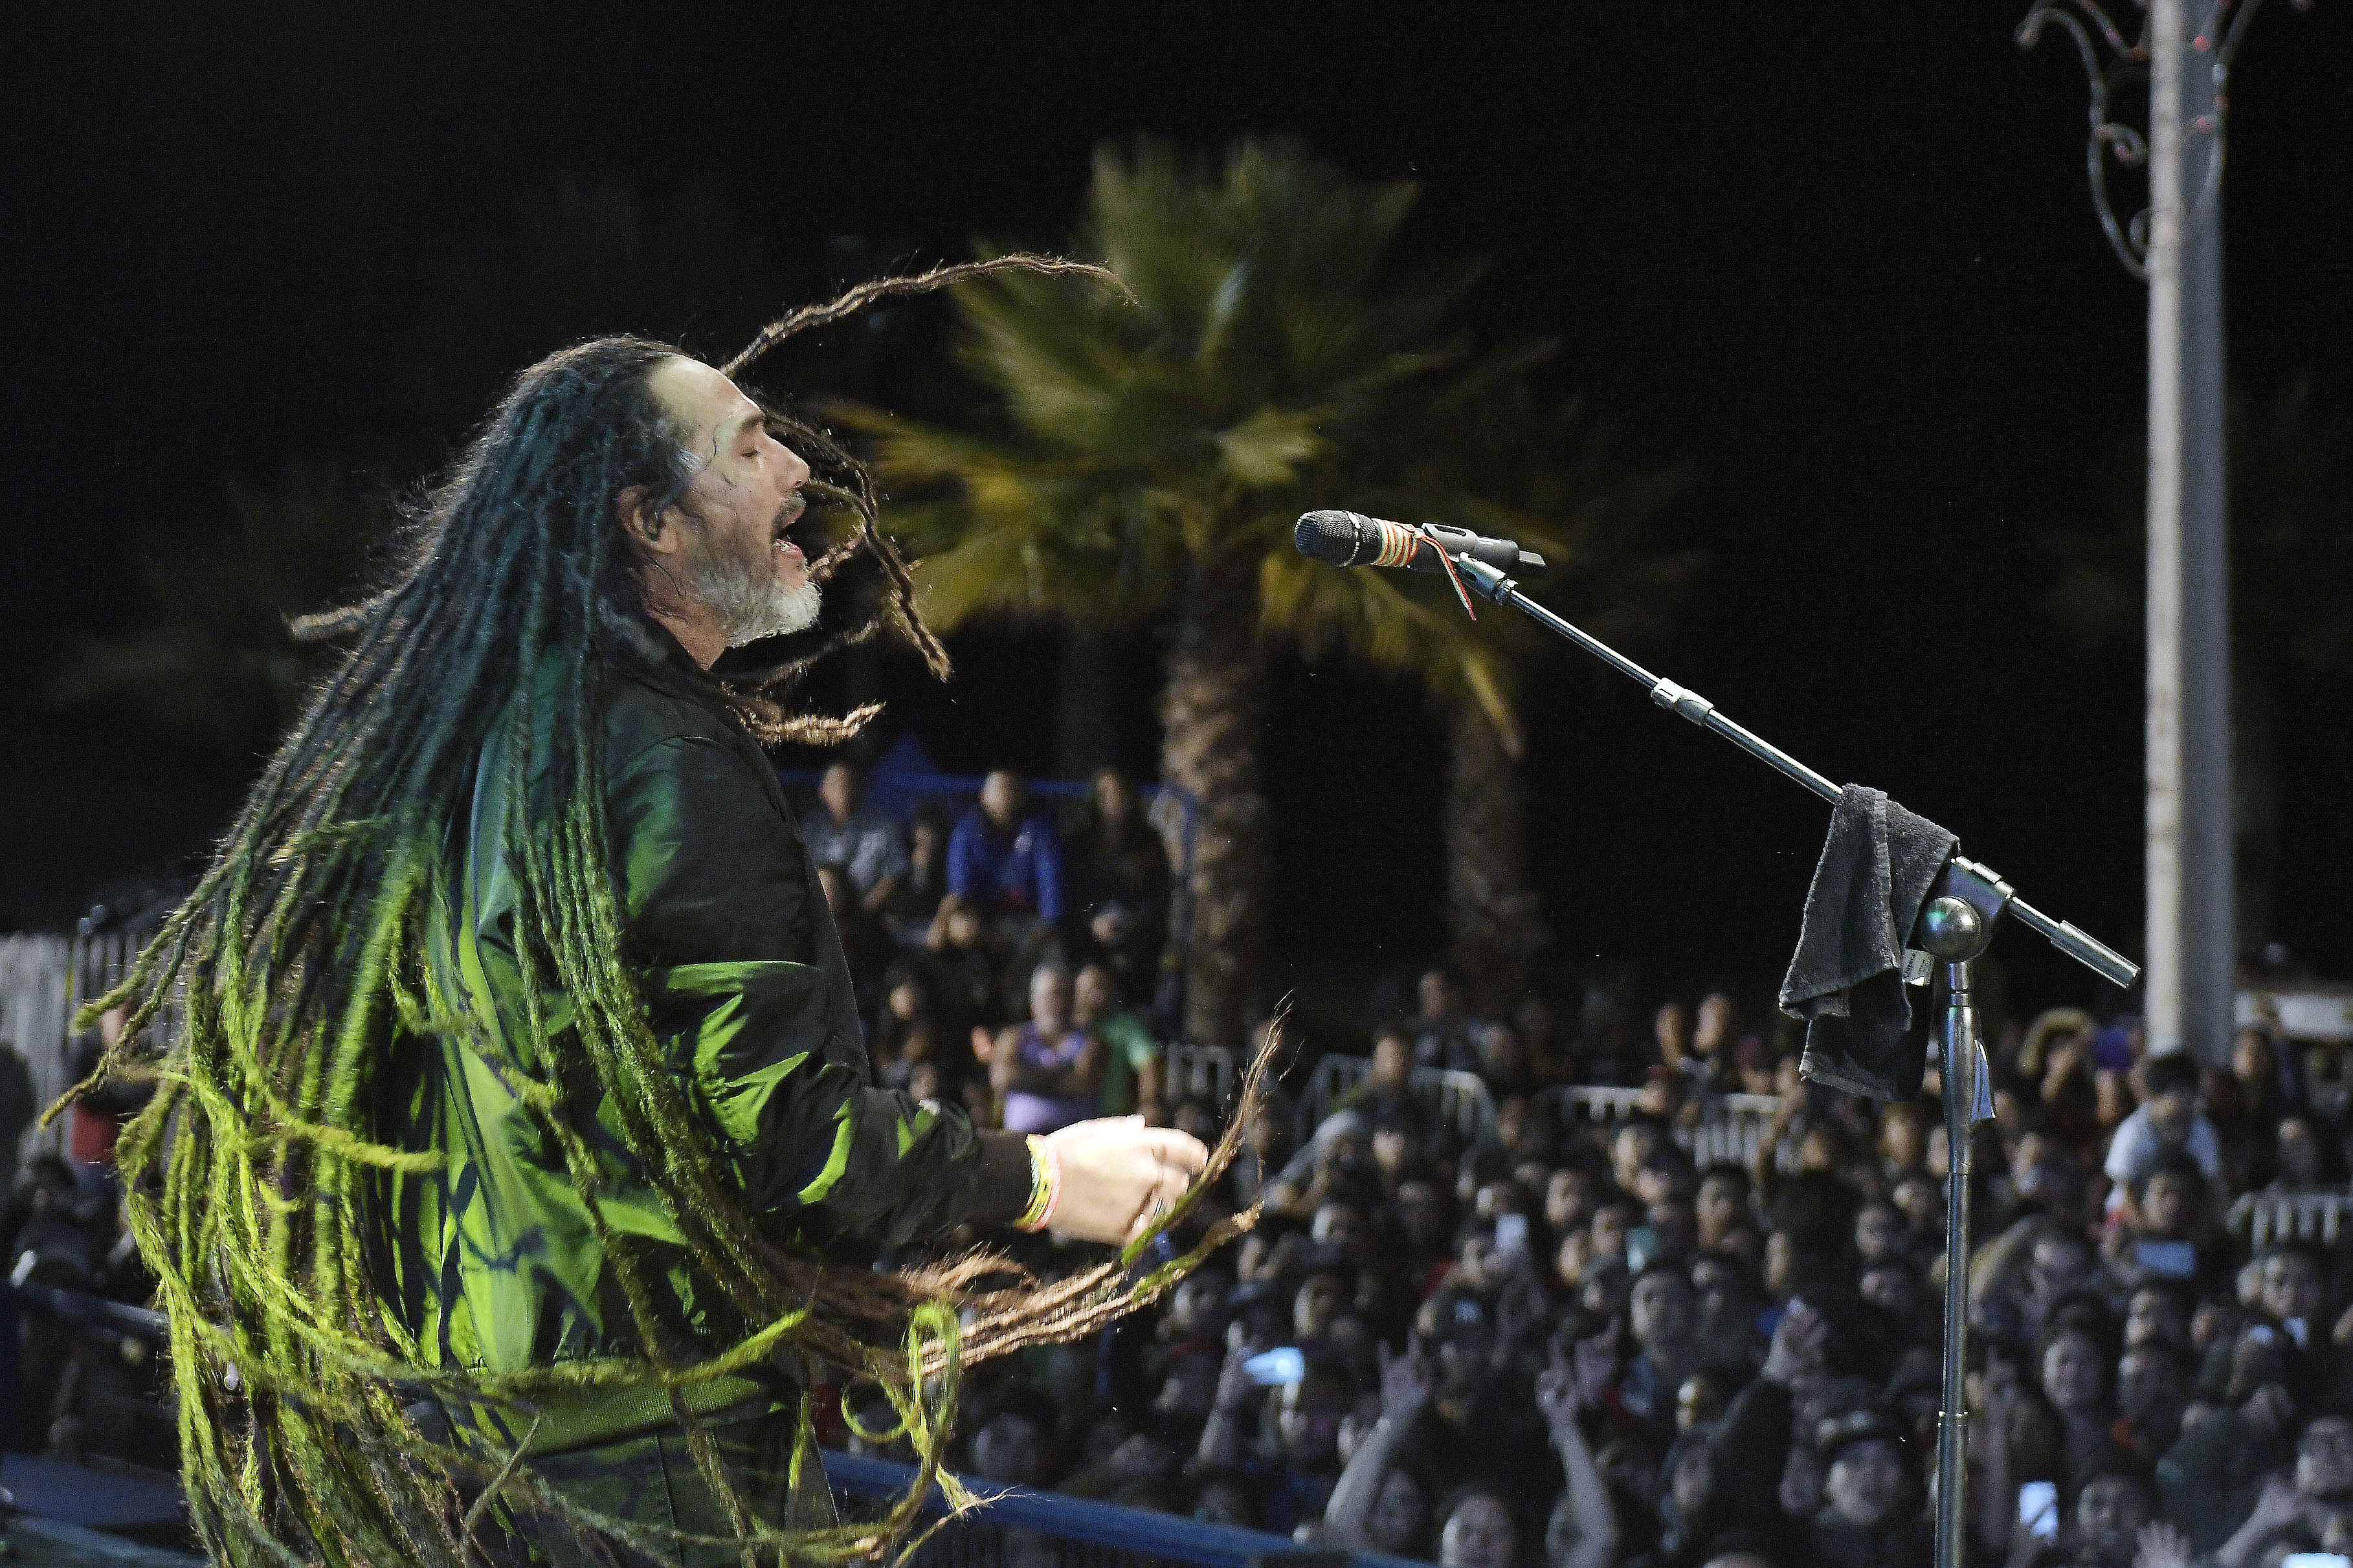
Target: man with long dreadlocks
pixel 514 1104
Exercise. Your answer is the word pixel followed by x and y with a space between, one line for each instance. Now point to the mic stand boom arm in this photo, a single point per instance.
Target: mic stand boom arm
pixel 1976 884
pixel 1957 925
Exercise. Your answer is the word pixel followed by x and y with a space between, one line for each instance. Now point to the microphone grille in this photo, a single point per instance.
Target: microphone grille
pixel 1330 536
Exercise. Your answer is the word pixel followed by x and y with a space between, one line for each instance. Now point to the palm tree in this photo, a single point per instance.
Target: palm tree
pixel 2291 555
pixel 1141 460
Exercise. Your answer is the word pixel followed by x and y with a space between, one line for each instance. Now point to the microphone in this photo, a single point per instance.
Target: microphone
pixel 1352 539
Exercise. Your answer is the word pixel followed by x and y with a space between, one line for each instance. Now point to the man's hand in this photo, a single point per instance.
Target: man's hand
pixel 1406 1382
pixel 1594 1364
pixel 1558 1395
pixel 1234 1385
pixel 1800 1340
pixel 1996 1400
pixel 1120 1177
pixel 2279 1506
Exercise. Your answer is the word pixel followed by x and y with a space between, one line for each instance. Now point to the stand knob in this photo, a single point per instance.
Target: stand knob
pixel 1952 929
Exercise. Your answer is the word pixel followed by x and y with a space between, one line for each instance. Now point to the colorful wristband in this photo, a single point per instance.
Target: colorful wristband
pixel 1045 1185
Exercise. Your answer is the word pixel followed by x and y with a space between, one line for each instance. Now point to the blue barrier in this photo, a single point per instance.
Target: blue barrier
pixel 1017 1527
pixel 1104 1533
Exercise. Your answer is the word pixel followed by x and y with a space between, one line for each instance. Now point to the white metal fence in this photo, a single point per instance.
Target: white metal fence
pixel 1201 1072
pixel 35 983
pixel 1459 1099
pixel 1727 1131
pixel 1729 1128
pixel 2267 1218
pixel 44 981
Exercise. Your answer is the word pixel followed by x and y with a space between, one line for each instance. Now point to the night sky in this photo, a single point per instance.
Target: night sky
pixel 1840 259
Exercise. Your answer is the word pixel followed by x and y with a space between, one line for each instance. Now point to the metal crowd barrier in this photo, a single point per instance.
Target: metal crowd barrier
pixel 1571 1104
pixel 1729 1129
pixel 1201 1072
pixel 1459 1099
pixel 2267 1218
pixel 1334 1078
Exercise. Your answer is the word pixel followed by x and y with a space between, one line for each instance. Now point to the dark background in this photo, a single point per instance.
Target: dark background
pixel 1840 257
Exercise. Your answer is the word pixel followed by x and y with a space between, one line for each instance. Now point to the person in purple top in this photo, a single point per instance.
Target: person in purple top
pixel 1048 1071
pixel 1003 861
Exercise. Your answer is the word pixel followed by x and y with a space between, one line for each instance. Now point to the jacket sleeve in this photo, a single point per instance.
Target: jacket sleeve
pixel 734 955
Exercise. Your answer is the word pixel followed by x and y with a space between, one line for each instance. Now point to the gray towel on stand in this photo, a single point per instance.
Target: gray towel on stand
pixel 1864 1033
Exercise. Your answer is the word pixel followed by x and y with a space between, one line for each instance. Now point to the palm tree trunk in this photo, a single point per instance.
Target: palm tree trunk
pixel 1493 914
pixel 1210 714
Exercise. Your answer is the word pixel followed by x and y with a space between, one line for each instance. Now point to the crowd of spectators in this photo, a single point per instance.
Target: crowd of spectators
pixel 1559 1340
pixel 1532 1336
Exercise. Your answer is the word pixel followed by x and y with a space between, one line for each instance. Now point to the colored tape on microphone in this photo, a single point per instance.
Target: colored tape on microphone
pixel 1398 543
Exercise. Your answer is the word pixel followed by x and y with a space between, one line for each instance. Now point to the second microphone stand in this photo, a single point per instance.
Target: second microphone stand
pixel 1964 906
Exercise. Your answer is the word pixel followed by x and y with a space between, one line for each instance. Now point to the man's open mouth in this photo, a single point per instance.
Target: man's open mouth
pixel 787 515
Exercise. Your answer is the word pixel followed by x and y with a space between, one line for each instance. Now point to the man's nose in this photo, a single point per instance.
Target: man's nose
pixel 796 469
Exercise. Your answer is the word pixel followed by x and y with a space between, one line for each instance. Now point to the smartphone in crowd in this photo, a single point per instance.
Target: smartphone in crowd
pixel 1284 1364
pixel 2038 1508
pixel 2317 1560
pixel 1511 1240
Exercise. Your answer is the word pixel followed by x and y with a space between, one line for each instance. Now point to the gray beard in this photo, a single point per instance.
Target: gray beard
pixel 750 606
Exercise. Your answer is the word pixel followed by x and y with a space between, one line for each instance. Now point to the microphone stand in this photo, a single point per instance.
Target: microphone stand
pixel 1964 905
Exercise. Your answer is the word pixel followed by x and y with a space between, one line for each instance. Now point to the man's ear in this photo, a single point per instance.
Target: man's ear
pixel 646 530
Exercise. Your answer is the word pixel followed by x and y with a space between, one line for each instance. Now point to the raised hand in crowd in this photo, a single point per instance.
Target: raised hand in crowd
pixel 2279 1506
pixel 1560 1393
pixel 1800 1348
pixel 1583 1529
pixel 1408 1383
pixel 1595 1362
pixel 2161 1545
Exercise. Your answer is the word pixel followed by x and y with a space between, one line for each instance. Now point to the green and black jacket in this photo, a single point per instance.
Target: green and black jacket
pixel 492 1258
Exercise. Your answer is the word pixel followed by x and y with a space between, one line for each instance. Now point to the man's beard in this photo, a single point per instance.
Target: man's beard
pixel 748 596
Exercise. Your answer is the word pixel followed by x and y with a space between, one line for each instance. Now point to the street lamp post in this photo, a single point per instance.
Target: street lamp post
pixel 2175 245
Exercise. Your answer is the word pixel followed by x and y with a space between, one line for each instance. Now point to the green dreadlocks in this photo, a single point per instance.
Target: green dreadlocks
pixel 265 1008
